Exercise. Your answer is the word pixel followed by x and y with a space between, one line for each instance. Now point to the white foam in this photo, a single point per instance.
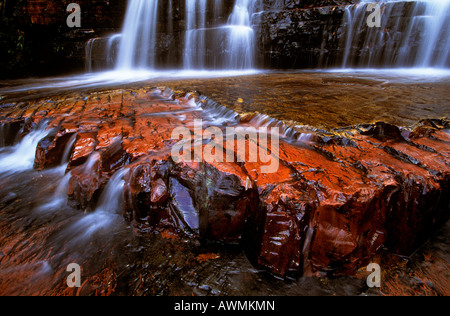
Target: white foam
pixel 21 157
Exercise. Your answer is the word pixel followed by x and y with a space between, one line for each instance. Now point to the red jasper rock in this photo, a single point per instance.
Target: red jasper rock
pixel 85 144
pixel 146 193
pixel 86 181
pixel 330 206
pixel 50 150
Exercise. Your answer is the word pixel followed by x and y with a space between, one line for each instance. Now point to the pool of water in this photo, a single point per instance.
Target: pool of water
pixel 323 99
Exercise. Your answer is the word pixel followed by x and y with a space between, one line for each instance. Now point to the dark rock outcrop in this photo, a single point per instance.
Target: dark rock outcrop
pixel 298 37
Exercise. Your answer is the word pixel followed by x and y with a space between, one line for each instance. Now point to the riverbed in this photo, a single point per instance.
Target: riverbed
pixel 39 240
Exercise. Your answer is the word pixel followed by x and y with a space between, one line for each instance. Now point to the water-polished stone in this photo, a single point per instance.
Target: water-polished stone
pixel 334 201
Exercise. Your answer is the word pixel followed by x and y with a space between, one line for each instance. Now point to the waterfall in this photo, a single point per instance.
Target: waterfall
pixel 105 216
pixel 220 35
pixel 59 198
pixel 88 51
pixel 194 46
pixel 111 48
pixel 68 150
pixel 112 197
pixel 137 48
pixel 434 49
pixel 241 42
pixel 217 36
pixel 226 47
pixel 412 34
pixel 21 156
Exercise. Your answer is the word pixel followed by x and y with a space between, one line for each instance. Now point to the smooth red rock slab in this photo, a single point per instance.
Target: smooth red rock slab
pixel 50 151
pixel 86 181
pixel 85 144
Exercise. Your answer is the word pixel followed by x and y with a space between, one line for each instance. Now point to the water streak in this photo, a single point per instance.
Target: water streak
pixel 59 199
pixel 209 43
pixel 412 34
pixel 137 46
pixel 89 54
pixel 194 46
pixel 106 214
pixel 68 150
pixel 241 47
pixel 21 157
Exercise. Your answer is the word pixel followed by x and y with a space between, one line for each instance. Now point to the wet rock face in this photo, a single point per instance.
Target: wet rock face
pixel 51 149
pixel 293 4
pixel 146 193
pixel 332 204
pixel 299 37
pixel 289 34
pixel 95 14
pixel 10 132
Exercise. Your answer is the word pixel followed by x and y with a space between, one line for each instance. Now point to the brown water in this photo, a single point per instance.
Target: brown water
pixel 323 100
pixel 327 100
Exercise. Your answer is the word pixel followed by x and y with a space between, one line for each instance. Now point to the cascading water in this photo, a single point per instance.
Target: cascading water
pixel 21 156
pixel 225 47
pixel 412 34
pixel 137 46
pixel 111 48
pixel 241 42
pixel 194 46
pixel 211 41
pixel 88 51
pixel 435 46
pixel 59 198
pixel 106 213
pixel 68 150
pixel 112 197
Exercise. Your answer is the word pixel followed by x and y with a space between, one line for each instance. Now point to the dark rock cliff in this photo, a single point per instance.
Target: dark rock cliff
pixel 36 40
pixel 299 38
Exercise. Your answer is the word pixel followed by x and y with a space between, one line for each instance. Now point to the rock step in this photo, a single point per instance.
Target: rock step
pixel 331 205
